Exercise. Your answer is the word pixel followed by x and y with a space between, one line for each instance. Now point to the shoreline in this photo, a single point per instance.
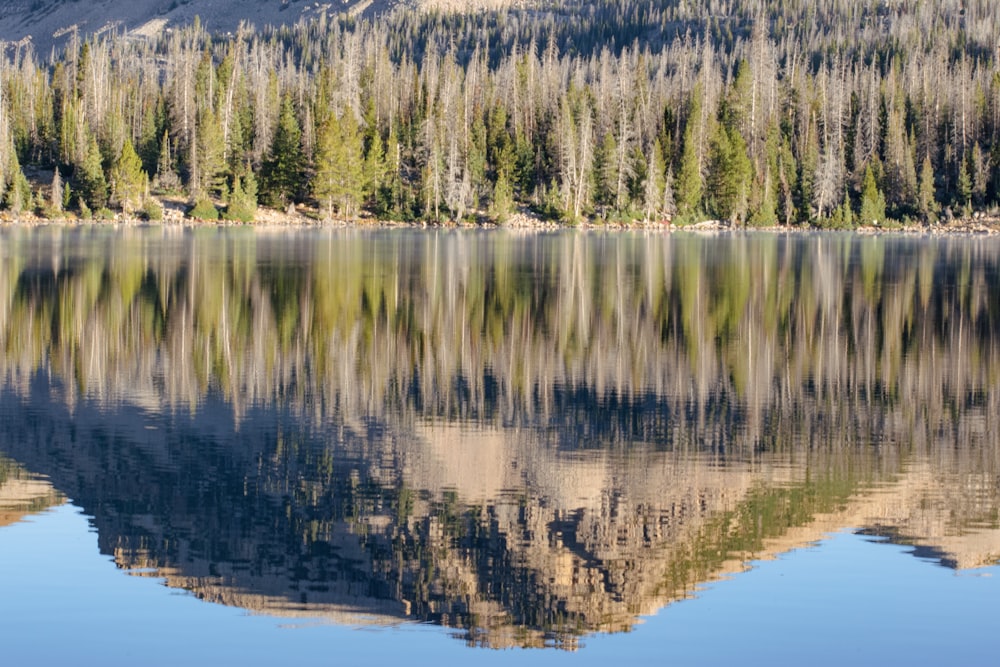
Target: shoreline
pixel 522 221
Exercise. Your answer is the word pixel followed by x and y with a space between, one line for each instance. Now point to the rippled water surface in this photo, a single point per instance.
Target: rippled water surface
pixel 348 446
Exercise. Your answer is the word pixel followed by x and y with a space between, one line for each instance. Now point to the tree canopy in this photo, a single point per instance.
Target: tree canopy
pixel 630 110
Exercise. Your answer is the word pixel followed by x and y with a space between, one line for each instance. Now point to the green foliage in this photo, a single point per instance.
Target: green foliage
pixel 19 198
pixel 841 217
pixel 552 205
pixel 242 206
pixel 440 109
pixel 211 170
pixel 808 163
pixel 339 179
pixel 503 199
pixel 166 179
pixel 204 210
pixel 730 172
pixel 128 180
pixel 925 194
pixel 872 200
pixel 56 194
pixel 688 188
pixel 605 172
pixel 91 184
pixel 283 172
pixel 152 210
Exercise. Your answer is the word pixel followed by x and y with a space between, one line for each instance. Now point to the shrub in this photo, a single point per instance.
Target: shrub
pixel 152 210
pixel 203 209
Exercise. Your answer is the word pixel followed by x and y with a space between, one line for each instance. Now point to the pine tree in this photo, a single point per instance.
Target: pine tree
pixel 963 184
pixel 338 181
pixel 925 197
pixel 502 202
pixel 391 199
pixel 655 183
pixel 19 197
pixel 808 164
pixel 847 212
pixel 283 171
pixel 729 176
pixel 242 206
pixel 980 174
pixel 211 155
pixel 872 200
pixel 787 170
pixel 604 172
pixel 327 163
pixel 91 184
pixel 56 192
pixel 166 178
pixel 373 172
pixel 689 181
pixel 128 180
pixel 476 160
pixel 352 172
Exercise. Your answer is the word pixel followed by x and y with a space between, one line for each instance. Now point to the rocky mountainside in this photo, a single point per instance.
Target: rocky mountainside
pixel 51 23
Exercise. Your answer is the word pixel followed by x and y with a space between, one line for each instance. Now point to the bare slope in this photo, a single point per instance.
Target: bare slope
pixel 50 23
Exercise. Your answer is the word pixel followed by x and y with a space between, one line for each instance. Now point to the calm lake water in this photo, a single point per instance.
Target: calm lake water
pixel 228 446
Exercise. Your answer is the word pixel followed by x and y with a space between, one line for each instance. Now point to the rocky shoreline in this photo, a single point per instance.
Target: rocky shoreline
pixel 523 220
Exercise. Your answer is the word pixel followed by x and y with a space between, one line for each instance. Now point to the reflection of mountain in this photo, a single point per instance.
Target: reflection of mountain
pixel 22 494
pixel 496 532
pixel 527 438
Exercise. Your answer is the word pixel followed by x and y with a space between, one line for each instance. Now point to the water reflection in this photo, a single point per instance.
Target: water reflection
pixel 528 438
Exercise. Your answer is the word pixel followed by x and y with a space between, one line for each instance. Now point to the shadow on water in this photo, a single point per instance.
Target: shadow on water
pixel 529 438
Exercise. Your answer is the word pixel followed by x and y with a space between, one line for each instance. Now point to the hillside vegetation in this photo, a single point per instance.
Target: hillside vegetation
pixel 757 112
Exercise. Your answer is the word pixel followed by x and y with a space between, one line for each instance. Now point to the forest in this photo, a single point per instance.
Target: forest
pixel 829 113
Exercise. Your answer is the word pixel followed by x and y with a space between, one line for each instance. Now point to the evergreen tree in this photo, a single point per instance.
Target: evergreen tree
pixel 689 180
pixel 729 176
pixel 925 197
pixel 963 189
pixel 655 183
pixel 328 161
pixel 605 173
pixel 787 170
pixel 502 202
pixel 668 206
pixel 352 167
pixel 584 117
pixel 56 192
pixel 91 184
pixel 339 178
pixel 242 205
pixel 166 178
pixel 283 171
pixel 979 173
pixel 211 155
pixel 373 171
pixel 872 200
pixel 476 160
pixel 847 210
pixel 392 190
pixel 19 199
pixel 128 180
pixel 806 182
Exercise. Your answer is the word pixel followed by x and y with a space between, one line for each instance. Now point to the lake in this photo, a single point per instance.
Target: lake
pixel 238 446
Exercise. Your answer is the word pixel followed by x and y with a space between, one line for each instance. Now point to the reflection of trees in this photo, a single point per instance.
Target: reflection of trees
pixel 526 437
pixel 506 329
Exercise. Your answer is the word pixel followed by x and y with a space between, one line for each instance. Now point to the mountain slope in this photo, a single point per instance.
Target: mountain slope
pixel 51 23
